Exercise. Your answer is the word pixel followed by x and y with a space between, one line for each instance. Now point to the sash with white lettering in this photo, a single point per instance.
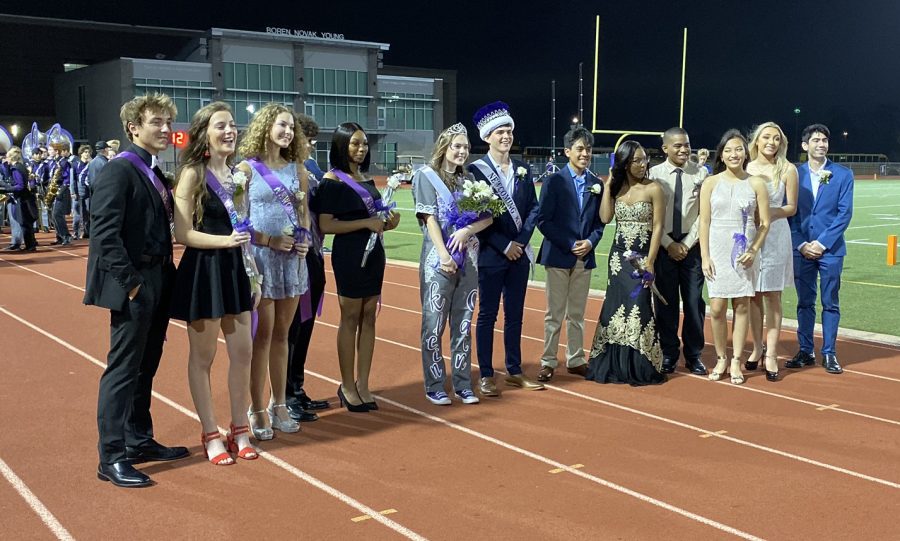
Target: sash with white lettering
pixel 289 205
pixel 489 173
pixel 447 201
pixel 155 180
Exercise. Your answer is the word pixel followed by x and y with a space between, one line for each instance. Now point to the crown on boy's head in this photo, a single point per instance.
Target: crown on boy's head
pixel 492 116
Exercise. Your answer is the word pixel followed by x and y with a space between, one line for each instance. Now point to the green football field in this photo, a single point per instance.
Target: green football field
pixel 869 289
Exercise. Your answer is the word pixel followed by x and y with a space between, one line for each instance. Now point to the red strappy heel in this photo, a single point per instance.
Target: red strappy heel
pixel 221 458
pixel 247 453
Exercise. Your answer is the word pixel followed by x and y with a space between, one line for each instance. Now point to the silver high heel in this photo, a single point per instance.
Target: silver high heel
pixel 289 426
pixel 737 377
pixel 719 370
pixel 261 434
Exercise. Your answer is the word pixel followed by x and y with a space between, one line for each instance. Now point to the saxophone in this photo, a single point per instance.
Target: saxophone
pixel 54 185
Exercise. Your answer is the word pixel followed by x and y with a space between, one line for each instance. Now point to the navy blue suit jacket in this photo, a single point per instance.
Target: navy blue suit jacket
pixel 496 237
pixel 826 217
pixel 562 221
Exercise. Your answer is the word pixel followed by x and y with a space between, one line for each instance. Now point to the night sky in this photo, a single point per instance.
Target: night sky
pixel 748 62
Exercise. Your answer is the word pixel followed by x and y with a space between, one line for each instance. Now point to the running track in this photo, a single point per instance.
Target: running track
pixel 814 456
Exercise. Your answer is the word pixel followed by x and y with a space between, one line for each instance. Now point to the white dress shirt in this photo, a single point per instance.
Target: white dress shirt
pixel 693 175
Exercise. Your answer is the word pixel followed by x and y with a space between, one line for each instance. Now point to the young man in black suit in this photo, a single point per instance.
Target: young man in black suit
pixel 130 272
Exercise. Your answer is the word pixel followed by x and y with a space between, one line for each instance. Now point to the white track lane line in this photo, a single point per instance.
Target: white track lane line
pixel 666 420
pixel 328 489
pixel 736 387
pixel 638 412
pixel 372 512
pixel 34 503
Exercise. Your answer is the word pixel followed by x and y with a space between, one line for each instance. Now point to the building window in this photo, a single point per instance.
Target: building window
pixel 188 96
pixel 404 111
pixel 254 85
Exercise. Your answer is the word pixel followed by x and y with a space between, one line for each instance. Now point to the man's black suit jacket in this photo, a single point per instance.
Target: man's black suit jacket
pixel 128 220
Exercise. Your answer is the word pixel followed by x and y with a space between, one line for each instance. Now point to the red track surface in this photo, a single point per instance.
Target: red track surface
pixel 814 456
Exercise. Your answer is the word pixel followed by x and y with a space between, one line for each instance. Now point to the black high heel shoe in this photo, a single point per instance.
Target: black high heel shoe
pixel 355 408
pixel 753 365
pixel 772 376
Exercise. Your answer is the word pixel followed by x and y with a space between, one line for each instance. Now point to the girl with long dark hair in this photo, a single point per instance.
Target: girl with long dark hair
pixel 626 343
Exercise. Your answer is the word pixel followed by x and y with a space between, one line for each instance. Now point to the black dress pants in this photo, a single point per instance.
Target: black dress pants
pixel 137 334
pixel 680 281
pixel 300 333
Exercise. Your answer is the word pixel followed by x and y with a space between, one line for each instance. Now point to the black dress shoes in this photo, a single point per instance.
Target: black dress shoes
pixel 300 415
pixel 695 366
pixel 123 474
pixel 831 364
pixel 801 359
pixel 668 365
pixel 154 452
pixel 308 403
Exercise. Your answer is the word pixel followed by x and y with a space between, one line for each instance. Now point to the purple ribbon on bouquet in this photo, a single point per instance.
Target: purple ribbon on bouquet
pixel 645 277
pixel 454 219
pixel 740 239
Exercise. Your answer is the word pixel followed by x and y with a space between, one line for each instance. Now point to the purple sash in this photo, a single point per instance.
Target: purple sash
pixel 289 205
pixel 372 206
pixel 239 225
pixel 157 183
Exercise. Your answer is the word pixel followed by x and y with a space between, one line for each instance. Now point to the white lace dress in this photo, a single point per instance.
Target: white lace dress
pixel 733 206
pixel 776 261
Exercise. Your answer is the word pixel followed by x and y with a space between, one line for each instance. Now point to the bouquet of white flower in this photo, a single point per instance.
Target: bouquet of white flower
pixel 383 207
pixel 475 202
pixel 238 189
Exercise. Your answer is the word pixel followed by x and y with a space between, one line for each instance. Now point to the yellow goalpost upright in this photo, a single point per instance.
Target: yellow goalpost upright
pixel 625 133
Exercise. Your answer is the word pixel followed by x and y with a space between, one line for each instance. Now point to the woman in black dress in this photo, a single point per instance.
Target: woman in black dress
pixel 343 213
pixel 212 290
pixel 626 344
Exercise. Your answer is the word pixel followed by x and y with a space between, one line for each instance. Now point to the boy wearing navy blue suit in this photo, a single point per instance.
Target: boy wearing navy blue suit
pixel 824 209
pixel 505 256
pixel 569 218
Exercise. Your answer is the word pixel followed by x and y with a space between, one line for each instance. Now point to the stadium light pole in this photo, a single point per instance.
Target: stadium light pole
pixel 797 129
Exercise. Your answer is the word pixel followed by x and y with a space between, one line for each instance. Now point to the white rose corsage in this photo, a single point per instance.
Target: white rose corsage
pixel 825 176
pixel 521 172
pixel 596 189
pixel 238 183
pixel 697 185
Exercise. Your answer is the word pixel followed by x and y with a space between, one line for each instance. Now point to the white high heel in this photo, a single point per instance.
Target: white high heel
pixel 261 434
pixel 289 426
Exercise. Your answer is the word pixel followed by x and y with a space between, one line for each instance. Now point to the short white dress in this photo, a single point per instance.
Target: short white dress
pixel 776 261
pixel 733 207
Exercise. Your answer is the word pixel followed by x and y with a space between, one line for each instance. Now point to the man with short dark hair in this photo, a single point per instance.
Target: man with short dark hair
pixel 679 273
pixel 569 218
pixel 824 209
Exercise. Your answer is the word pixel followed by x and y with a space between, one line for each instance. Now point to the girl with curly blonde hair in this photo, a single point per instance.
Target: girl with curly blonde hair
pixel 273 162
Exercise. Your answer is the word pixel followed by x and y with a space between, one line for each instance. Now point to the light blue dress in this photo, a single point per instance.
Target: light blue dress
pixel 284 274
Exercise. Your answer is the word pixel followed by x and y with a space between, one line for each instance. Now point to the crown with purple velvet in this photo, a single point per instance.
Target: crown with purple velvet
pixel 492 116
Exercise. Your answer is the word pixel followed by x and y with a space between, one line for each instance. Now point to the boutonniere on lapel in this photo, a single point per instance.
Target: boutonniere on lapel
pixel 596 189
pixel 521 173
pixel 170 179
pixel 825 176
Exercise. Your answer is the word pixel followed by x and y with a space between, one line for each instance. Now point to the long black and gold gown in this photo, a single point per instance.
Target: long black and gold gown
pixel 626 343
